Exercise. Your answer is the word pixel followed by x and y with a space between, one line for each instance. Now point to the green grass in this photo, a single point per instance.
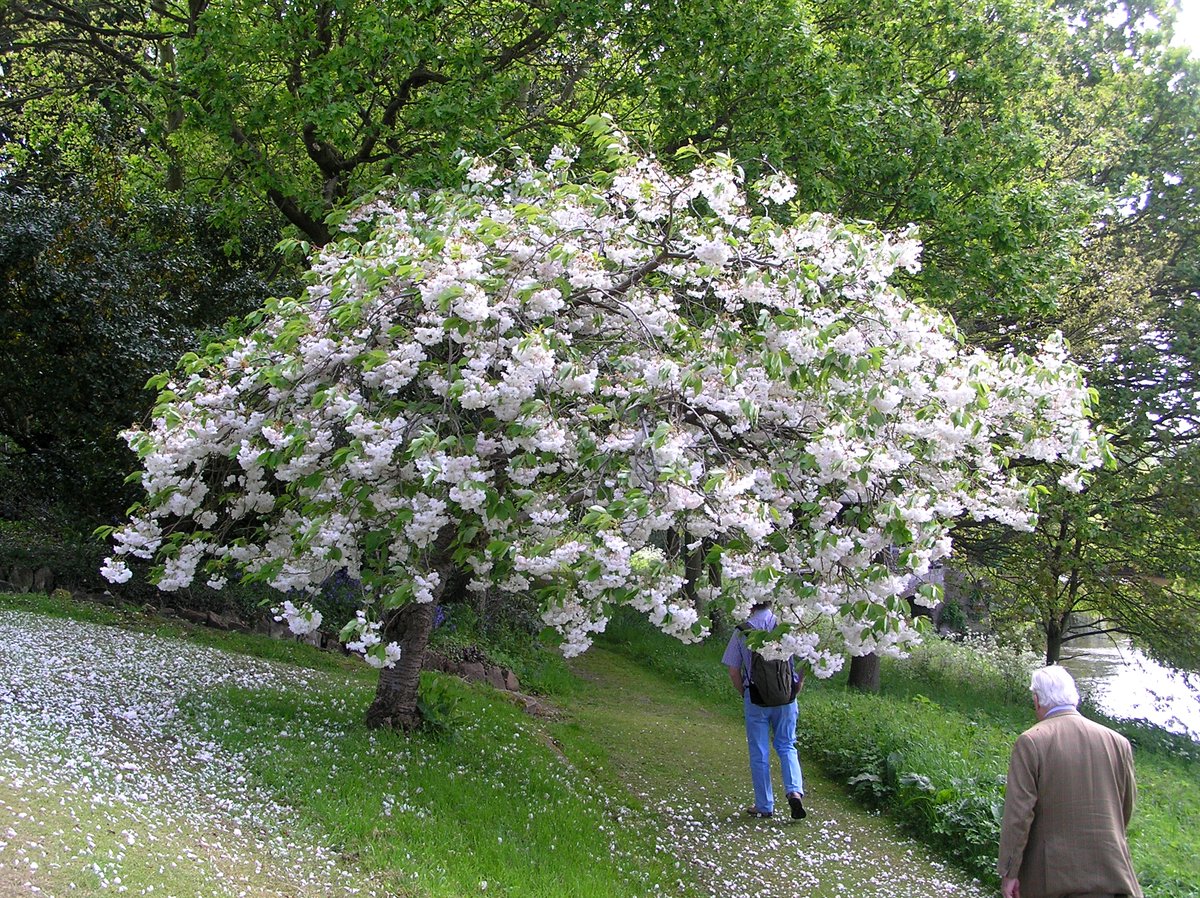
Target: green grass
pixel 1163 833
pixel 536 808
pixel 84 832
pixel 492 801
pixel 130 617
pixel 697 667
pixel 61 605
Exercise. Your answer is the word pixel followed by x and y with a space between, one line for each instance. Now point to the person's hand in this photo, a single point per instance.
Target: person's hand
pixel 1010 888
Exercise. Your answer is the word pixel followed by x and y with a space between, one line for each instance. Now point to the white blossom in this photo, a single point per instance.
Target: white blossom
pixel 545 387
pixel 300 620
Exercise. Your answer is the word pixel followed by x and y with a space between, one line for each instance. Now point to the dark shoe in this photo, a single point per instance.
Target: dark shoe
pixel 797 806
pixel 755 812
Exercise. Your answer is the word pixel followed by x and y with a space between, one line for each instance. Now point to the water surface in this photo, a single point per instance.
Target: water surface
pixel 1123 682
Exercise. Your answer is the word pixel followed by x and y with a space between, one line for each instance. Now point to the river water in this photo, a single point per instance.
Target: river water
pixel 1123 682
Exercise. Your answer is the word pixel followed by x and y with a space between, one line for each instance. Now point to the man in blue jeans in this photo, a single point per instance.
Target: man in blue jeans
pixel 766 726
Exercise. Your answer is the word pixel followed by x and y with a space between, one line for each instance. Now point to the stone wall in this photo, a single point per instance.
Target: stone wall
pixel 22 579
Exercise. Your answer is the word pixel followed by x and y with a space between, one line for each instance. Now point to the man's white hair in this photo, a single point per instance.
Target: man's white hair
pixel 1054 686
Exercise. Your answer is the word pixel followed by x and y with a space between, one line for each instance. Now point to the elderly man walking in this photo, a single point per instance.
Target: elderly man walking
pixel 1070 795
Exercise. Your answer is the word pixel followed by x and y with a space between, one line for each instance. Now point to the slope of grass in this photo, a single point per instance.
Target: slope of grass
pixel 980 696
pixel 502 803
pixel 491 801
pixel 130 617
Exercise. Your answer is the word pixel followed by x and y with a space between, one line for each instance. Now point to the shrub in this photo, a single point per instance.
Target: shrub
pixel 953 617
pixel 978 663
pixel 935 771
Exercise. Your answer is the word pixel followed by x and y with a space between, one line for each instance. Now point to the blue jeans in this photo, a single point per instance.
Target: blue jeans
pixel 766 727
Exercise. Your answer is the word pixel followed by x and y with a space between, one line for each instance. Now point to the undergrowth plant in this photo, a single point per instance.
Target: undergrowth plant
pixel 939 773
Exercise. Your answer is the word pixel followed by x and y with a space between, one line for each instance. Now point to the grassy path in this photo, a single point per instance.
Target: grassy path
pixel 687 761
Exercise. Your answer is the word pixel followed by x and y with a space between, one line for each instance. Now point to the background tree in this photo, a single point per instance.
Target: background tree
pixel 99 292
pixel 1122 553
pixel 305 106
pixel 1043 150
pixel 921 112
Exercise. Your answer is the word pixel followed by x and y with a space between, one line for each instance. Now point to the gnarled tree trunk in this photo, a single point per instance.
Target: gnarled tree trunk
pixel 395 702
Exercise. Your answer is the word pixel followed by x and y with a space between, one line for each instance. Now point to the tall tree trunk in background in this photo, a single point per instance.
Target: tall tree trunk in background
pixel 864 673
pixel 1054 637
pixel 722 626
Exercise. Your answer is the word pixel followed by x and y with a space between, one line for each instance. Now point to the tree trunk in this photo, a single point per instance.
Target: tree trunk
pixel 864 673
pixel 395 702
pixel 1054 639
pixel 693 570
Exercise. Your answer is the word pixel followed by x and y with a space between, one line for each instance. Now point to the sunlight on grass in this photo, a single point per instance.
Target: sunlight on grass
pixel 492 801
pixel 61 842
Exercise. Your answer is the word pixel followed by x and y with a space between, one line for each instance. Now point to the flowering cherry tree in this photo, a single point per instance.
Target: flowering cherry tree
pixel 639 390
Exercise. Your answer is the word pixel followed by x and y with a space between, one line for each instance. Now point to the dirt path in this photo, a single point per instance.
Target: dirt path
pixel 689 764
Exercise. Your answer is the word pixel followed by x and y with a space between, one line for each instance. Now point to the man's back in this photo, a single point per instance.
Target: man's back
pixel 1070 796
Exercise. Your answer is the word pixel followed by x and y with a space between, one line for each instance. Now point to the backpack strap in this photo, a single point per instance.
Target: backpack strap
pixel 744 628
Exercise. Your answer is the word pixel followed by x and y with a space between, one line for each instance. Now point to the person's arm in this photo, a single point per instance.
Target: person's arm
pixel 735 675
pixel 1020 799
pixel 1129 792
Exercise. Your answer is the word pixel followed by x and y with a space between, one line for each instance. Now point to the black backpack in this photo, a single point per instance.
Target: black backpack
pixel 771 682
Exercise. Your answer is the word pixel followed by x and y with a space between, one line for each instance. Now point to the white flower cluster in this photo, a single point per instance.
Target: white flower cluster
pixel 361 635
pixel 576 388
pixel 300 620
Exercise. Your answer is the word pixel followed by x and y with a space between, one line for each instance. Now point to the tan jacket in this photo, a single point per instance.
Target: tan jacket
pixel 1070 795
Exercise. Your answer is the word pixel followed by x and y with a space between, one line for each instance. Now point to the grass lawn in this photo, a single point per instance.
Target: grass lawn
pixel 618 796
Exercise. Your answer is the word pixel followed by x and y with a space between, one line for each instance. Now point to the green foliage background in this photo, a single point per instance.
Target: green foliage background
pixel 152 152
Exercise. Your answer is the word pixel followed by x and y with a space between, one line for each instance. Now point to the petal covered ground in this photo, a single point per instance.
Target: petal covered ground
pixel 100 786
pixel 106 788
